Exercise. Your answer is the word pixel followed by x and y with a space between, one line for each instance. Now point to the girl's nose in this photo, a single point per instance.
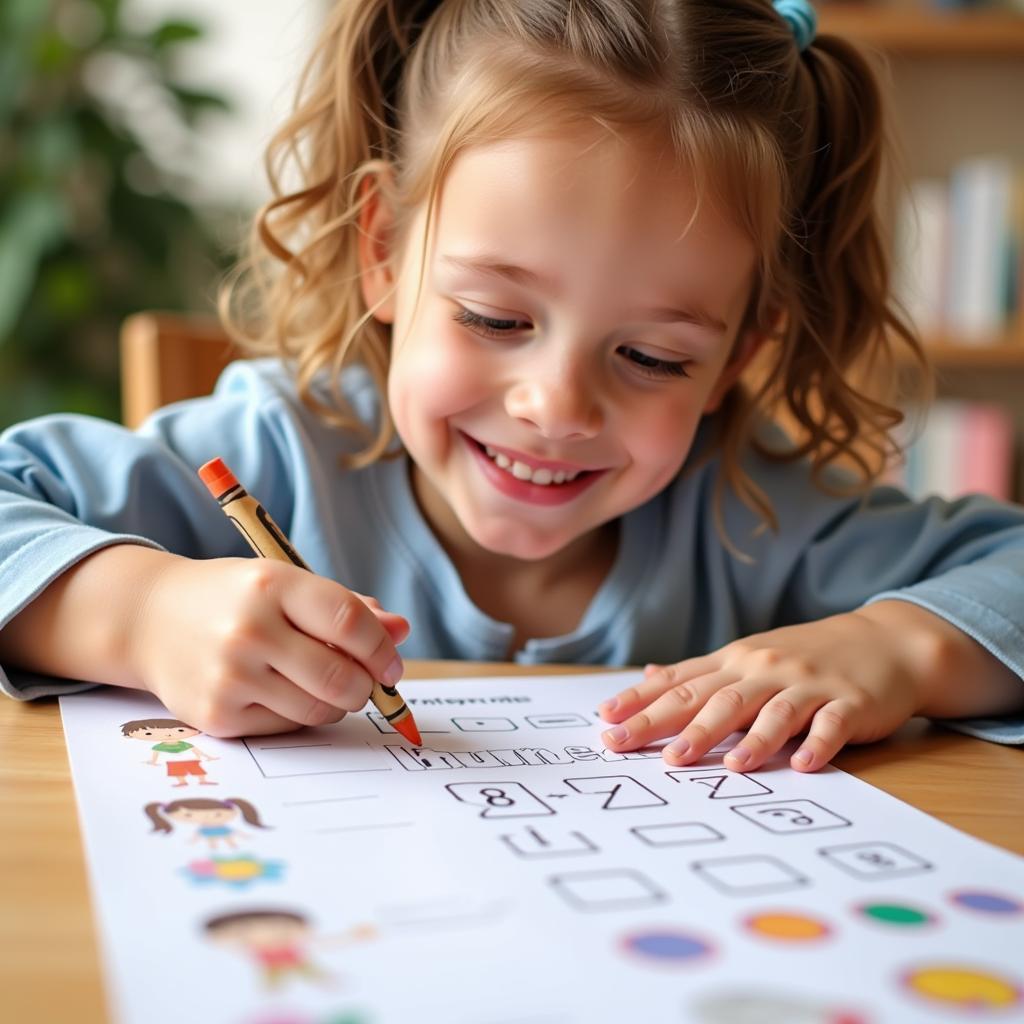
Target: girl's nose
pixel 559 405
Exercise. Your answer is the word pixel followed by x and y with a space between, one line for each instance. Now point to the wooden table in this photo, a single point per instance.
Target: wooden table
pixel 49 963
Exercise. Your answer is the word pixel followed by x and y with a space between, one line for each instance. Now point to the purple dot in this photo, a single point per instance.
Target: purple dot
pixel 987 902
pixel 667 946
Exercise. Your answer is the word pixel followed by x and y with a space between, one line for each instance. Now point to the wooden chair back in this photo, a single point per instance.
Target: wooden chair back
pixel 166 357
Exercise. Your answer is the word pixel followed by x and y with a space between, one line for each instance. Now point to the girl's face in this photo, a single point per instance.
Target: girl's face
pixel 203 816
pixel 575 322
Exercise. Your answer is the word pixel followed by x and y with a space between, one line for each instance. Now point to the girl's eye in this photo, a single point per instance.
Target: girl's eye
pixel 653 367
pixel 486 325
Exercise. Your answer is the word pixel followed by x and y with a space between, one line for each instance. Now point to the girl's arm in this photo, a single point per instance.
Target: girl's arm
pixel 229 645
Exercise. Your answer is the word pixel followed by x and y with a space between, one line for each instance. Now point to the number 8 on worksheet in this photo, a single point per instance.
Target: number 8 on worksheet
pixel 500 799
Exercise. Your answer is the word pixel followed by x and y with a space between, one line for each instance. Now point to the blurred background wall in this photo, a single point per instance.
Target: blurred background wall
pixel 131 137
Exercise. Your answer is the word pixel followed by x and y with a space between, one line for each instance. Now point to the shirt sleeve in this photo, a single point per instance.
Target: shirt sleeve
pixel 71 485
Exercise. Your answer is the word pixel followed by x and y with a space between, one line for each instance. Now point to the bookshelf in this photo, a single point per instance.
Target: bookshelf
pixel 923 33
pixel 956 78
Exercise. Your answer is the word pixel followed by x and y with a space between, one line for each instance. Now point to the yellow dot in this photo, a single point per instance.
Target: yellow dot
pixel 238 869
pixel 963 986
pixel 788 927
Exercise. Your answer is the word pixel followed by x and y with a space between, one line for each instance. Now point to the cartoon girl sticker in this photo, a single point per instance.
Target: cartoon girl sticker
pixel 171 738
pixel 214 819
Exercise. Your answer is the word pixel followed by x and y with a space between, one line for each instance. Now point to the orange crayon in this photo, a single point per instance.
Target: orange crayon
pixel 266 539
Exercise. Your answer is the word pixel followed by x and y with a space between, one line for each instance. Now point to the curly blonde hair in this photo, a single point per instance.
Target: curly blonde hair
pixel 794 141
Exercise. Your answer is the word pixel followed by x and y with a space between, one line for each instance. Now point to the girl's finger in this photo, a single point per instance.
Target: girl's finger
pixel 336 616
pixel 323 672
pixel 667 713
pixel 727 709
pixel 396 625
pixel 831 727
pixel 658 680
pixel 257 720
pixel 280 696
pixel 785 714
pixel 251 720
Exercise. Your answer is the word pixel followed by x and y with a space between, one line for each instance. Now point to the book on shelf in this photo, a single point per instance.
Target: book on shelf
pixel 958 448
pixel 958 245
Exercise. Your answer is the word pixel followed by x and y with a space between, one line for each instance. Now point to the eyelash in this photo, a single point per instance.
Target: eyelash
pixel 645 364
pixel 486 325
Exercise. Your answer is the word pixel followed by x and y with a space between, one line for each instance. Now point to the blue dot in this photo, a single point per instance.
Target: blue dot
pixel 987 902
pixel 667 946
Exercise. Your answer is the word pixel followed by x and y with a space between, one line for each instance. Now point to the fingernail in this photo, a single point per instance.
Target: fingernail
pixel 609 705
pixel 617 733
pixel 649 669
pixel 678 748
pixel 739 754
pixel 393 672
pixel 803 755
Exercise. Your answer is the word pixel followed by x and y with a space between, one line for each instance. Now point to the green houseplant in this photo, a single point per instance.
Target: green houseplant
pixel 91 228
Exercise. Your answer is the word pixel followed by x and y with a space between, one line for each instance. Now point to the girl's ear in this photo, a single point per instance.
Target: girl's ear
pixel 376 234
pixel 747 346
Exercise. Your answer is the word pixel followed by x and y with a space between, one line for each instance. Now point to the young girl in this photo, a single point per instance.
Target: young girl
pixel 524 256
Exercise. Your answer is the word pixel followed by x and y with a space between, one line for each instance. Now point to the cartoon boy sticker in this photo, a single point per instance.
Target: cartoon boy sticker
pixel 278 942
pixel 214 820
pixel 171 736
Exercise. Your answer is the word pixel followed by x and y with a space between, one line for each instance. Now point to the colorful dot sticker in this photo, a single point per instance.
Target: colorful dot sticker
pixel 983 902
pixel 896 915
pixel 236 872
pixel 666 946
pixel 967 988
pixel 787 927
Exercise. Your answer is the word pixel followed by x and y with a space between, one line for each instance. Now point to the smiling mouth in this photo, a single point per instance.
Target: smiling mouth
pixel 542 476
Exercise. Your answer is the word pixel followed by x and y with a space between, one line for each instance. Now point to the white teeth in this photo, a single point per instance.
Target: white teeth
pixel 521 471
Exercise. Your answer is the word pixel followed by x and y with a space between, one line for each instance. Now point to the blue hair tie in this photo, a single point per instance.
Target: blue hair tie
pixel 800 17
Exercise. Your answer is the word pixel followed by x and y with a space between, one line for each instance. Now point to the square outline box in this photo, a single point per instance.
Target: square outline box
pixel 640 830
pixel 646 893
pixel 538 721
pixel 693 774
pixel 919 868
pixel 842 822
pixel 794 880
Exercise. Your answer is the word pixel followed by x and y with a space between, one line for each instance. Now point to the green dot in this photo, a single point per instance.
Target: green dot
pixel 891 913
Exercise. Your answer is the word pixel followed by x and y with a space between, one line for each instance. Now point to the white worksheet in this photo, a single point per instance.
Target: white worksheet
pixel 514 871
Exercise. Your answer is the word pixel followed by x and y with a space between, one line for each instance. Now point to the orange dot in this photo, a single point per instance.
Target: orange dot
pixel 787 927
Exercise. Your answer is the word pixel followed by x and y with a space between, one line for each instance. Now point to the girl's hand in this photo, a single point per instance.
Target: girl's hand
pixel 850 678
pixel 237 646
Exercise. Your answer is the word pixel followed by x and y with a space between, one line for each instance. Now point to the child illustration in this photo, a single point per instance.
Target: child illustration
pixel 181 757
pixel 506 306
pixel 213 819
pixel 278 942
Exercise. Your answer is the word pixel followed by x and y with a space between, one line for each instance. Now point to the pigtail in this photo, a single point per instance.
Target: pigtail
pixel 249 813
pixel 297 294
pixel 839 358
pixel 160 824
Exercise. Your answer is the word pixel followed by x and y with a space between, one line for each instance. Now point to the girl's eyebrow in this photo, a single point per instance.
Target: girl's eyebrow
pixel 522 276
pixel 498 268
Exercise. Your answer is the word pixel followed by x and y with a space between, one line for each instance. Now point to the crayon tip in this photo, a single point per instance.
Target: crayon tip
pixel 407 727
pixel 217 477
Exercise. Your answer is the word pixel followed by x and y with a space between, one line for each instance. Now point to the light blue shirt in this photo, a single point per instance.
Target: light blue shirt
pixel 70 485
